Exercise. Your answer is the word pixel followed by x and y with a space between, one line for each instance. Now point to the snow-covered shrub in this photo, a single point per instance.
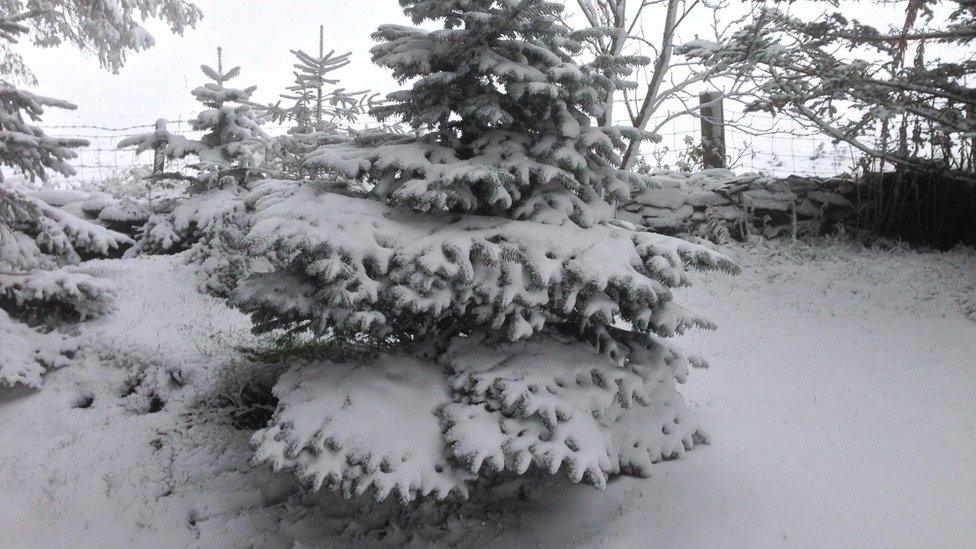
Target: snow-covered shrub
pixel 36 241
pixel 191 220
pixel 219 253
pixel 27 352
pixel 120 212
pixel 211 220
pixel 505 332
pixel 61 294
pixel 211 225
pixel 514 325
pixel 35 235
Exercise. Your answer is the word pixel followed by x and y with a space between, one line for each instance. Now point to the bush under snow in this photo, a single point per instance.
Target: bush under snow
pixel 37 242
pixel 26 352
pixel 515 326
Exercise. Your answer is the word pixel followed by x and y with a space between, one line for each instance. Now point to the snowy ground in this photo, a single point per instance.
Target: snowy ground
pixel 841 406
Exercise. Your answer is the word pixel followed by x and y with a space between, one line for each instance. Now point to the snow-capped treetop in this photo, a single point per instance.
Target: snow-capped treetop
pixel 232 125
pixel 317 106
pixel 505 116
pixel 215 94
pixel 233 138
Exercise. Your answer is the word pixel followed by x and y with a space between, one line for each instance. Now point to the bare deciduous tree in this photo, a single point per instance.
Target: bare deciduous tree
pixel 902 95
pixel 666 88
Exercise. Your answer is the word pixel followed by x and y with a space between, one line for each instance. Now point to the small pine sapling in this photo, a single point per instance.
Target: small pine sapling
pixel 232 146
pixel 318 108
pixel 232 151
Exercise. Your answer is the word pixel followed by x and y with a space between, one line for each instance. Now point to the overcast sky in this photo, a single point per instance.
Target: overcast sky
pixel 255 34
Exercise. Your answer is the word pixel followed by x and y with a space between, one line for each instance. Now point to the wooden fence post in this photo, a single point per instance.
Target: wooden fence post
pixel 159 160
pixel 712 129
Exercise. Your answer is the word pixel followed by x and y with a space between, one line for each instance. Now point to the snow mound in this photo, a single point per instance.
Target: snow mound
pixel 363 429
pixel 26 353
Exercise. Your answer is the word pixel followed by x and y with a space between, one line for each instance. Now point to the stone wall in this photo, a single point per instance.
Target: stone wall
pixel 719 205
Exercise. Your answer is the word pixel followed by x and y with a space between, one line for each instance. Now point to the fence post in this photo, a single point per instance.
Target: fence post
pixel 159 160
pixel 712 129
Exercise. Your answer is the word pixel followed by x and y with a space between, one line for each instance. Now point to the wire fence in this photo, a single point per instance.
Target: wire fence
pixel 755 142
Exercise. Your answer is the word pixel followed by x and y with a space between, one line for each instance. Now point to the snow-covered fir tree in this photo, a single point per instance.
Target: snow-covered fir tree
pixel 317 106
pixel 233 143
pixel 500 319
pixel 24 146
pixel 233 149
pixel 39 242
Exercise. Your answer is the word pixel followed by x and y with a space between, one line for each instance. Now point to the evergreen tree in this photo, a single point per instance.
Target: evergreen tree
pixel 233 144
pixel 212 220
pixel 505 116
pixel 37 240
pixel 317 112
pixel 482 283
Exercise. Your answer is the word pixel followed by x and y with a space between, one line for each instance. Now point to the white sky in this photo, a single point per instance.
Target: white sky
pixel 255 34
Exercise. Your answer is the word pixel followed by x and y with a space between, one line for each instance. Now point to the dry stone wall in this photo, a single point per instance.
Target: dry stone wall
pixel 720 205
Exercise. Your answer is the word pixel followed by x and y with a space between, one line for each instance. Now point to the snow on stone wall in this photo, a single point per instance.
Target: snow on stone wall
pixel 718 204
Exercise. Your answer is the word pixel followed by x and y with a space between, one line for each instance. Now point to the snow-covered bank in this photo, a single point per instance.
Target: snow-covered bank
pixel 841 407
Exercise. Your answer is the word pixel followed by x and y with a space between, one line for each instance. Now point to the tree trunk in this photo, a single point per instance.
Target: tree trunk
pixel 660 68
